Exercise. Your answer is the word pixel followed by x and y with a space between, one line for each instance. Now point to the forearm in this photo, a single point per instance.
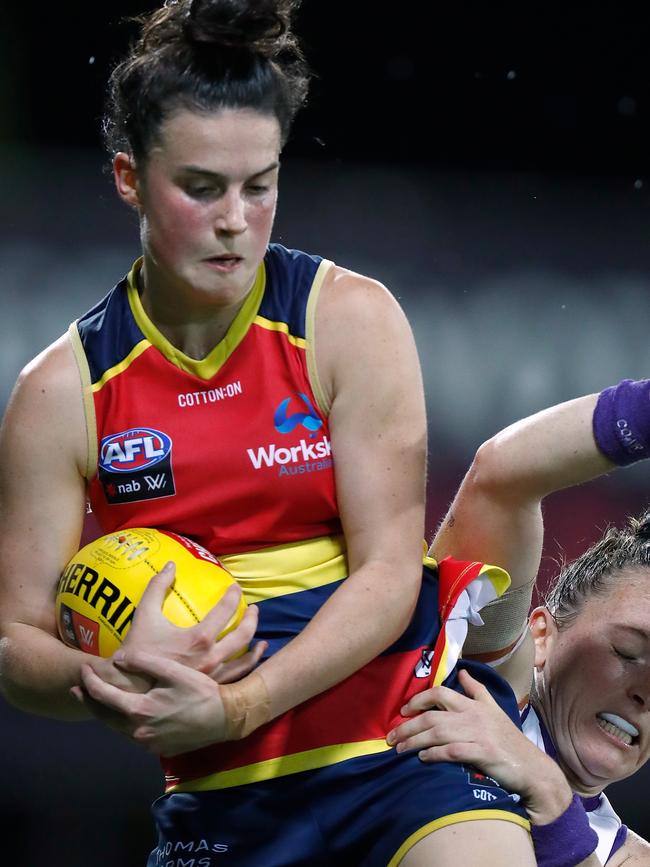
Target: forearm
pixel 365 615
pixel 496 515
pixel 37 671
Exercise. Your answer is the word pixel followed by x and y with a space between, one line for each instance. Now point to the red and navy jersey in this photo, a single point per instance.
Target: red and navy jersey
pixel 352 718
pixel 232 450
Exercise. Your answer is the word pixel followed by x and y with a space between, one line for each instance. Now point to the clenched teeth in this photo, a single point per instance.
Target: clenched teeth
pixel 618 727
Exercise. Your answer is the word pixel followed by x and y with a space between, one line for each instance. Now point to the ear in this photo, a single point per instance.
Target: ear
pixel 126 179
pixel 543 629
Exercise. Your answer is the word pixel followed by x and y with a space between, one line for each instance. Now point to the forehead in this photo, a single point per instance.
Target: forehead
pixel 229 141
pixel 626 600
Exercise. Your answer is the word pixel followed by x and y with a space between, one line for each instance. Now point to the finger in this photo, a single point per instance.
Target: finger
pixel 452 752
pixel 235 669
pixel 163 670
pixel 474 689
pixel 408 729
pixel 154 593
pixel 440 697
pixel 218 617
pixel 107 694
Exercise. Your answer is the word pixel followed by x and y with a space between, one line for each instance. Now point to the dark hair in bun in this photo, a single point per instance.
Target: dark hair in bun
pixel 205 55
pixel 600 568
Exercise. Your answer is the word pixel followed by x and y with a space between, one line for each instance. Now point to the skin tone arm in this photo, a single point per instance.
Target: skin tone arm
pixel 496 516
pixel 368 365
pixel 42 503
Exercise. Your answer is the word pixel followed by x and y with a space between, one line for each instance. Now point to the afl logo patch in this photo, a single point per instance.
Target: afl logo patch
pixel 135 449
pixel 136 464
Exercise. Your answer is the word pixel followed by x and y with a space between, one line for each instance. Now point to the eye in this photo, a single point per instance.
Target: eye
pixel 199 192
pixel 624 654
pixel 257 189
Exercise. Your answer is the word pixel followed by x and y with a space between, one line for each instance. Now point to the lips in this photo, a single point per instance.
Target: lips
pixel 618 727
pixel 226 262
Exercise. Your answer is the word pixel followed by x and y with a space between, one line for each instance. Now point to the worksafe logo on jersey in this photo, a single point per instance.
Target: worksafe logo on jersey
pixel 306 457
pixel 285 424
pixel 136 464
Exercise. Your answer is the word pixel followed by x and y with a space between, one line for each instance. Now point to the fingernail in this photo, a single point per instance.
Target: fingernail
pixel 390 737
pixel 404 710
pixel 400 748
pixel 119 656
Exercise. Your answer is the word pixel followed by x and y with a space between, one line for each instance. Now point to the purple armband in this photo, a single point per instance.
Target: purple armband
pixel 621 421
pixel 567 841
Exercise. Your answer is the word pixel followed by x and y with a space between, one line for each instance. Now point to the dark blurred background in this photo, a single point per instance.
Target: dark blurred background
pixel 488 162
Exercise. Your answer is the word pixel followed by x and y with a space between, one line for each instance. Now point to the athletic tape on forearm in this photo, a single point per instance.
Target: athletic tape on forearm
pixel 504 621
pixel 247 706
pixel 567 841
pixel 621 421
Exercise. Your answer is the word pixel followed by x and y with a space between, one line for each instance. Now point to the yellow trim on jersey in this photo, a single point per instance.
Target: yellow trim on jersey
pixel 271 325
pixel 310 329
pixel 137 350
pixel 204 368
pixel 454 819
pixel 282 766
pixel 498 577
pixel 290 568
pixel 88 402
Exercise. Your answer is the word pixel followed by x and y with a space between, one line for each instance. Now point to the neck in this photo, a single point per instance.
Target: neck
pixel 188 321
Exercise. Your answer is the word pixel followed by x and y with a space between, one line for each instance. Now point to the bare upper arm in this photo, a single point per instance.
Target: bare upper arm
pixel 42 489
pixel 369 371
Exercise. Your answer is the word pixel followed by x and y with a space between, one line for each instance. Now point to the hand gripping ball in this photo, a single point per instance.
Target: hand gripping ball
pixel 102 585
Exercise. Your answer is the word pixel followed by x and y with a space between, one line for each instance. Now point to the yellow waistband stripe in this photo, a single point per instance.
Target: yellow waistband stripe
pixel 281 766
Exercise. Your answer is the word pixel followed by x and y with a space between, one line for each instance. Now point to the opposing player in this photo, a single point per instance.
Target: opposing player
pixel 207 394
pixel 588 647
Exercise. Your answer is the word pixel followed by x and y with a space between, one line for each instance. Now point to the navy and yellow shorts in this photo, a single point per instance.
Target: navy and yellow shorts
pixel 363 812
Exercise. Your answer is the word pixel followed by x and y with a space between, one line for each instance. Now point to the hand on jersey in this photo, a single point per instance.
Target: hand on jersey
pixel 446 726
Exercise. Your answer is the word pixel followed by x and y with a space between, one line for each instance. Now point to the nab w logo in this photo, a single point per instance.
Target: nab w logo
pixel 156 483
pixel 286 423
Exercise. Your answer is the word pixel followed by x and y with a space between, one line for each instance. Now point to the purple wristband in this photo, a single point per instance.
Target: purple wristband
pixel 567 841
pixel 621 421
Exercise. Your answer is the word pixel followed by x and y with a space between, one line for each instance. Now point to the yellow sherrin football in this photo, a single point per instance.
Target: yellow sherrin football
pixel 102 585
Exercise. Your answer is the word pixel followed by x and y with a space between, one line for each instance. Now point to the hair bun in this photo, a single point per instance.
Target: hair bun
pixel 253 25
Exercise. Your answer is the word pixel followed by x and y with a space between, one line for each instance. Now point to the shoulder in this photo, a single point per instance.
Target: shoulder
pixel 362 336
pixel 52 372
pixel 357 294
pixel 47 404
pixel 635 852
pixel 358 314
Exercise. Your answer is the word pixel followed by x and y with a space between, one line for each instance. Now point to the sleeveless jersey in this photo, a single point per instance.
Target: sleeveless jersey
pixel 232 450
pixel 602 817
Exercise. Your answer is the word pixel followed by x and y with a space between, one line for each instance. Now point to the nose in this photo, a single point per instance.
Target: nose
pixel 639 692
pixel 231 215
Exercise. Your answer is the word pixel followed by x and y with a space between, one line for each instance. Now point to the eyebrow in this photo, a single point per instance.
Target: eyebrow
pixel 198 170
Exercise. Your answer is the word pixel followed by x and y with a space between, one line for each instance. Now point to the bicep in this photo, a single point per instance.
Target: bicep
pixel 42 490
pixel 377 422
